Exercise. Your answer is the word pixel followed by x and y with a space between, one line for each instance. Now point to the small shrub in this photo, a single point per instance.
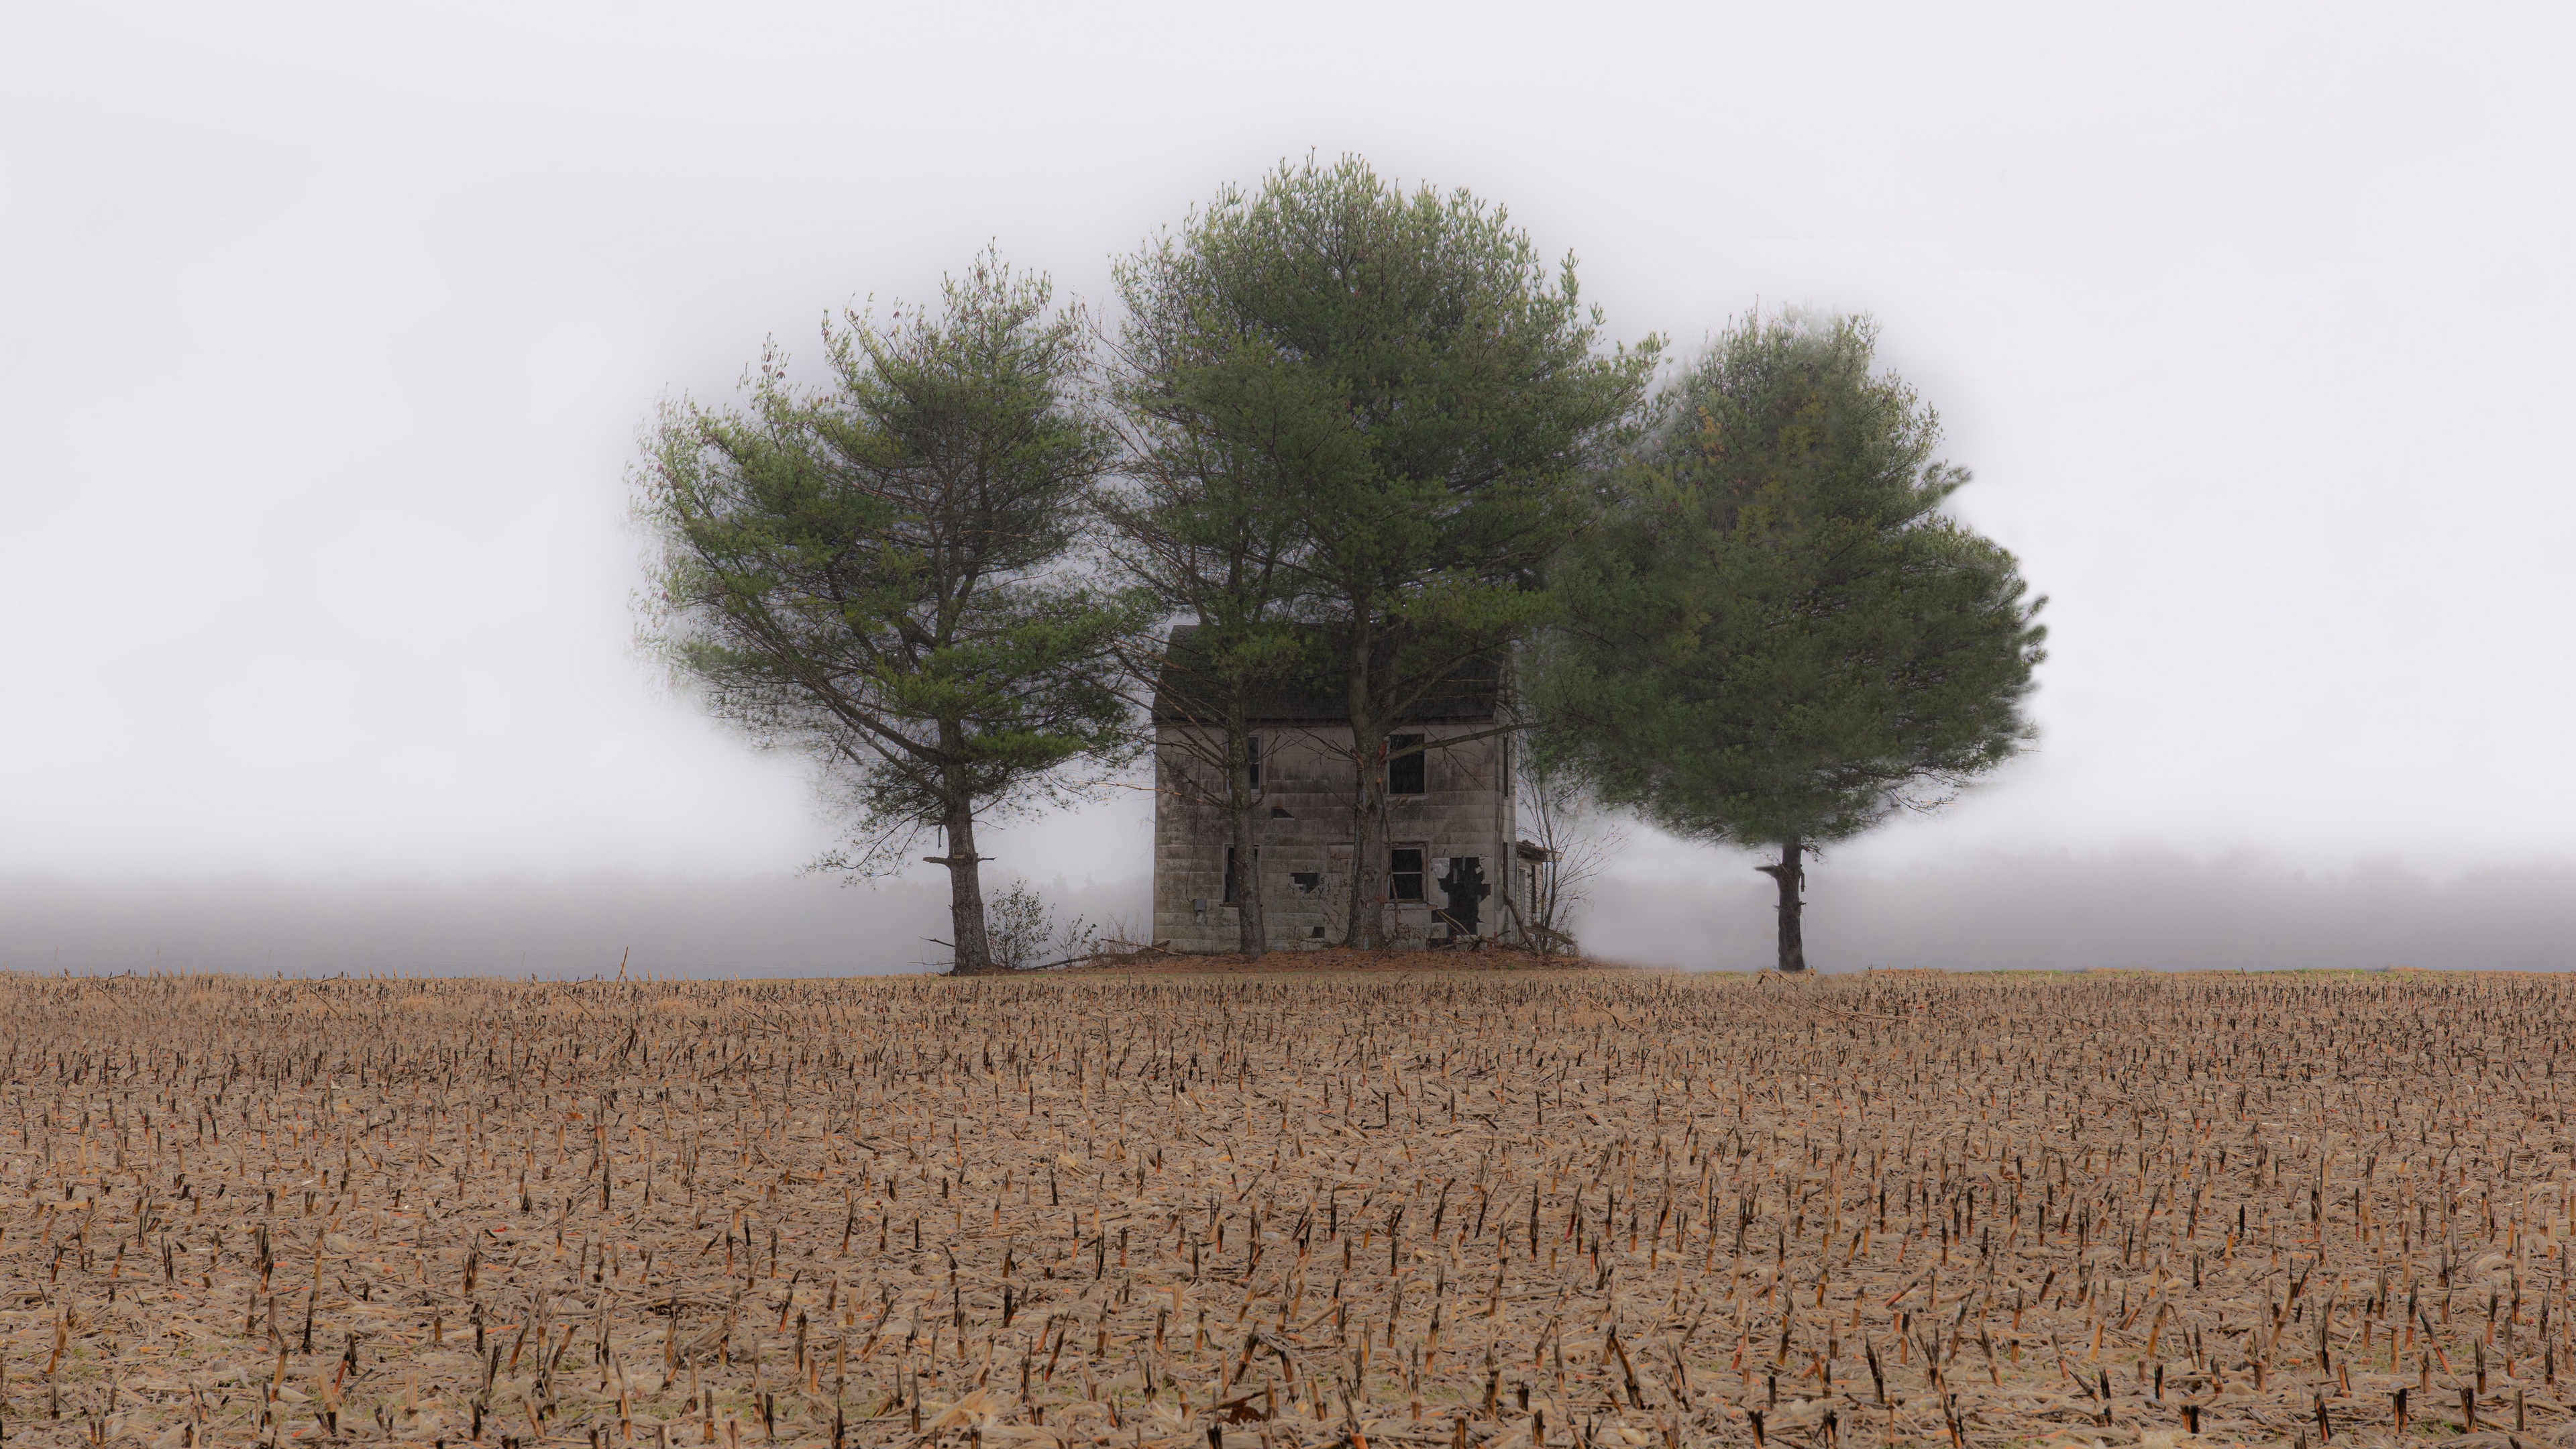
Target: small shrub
pixel 1022 931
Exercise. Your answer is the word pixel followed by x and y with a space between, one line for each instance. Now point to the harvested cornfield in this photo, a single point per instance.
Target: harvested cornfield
pixel 1500 1208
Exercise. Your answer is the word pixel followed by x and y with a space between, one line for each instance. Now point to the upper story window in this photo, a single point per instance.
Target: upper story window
pixel 1404 773
pixel 1252 760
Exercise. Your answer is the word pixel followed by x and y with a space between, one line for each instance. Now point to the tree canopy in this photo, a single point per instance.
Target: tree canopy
pixel 1778 637
pixel 1423 397
pixel 883 574
pixel 1363 440
pixel 1203 520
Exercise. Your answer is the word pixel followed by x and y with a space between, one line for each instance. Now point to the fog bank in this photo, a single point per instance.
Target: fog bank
pixel 2137 909
pixel 2141 908
pixel 791 925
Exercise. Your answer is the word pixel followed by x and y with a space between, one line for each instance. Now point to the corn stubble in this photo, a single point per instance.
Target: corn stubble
pixel 1505 1209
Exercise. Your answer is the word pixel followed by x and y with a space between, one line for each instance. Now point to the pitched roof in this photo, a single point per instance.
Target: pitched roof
pixel 1470 692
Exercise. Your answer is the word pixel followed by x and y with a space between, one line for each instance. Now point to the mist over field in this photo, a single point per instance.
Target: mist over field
pixel 2135 909
pixel 326 336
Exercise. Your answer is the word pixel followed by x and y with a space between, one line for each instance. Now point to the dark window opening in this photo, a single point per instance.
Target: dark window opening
pixel 1307 882
pixel 1404 873
pixel 1466 889
pixel 1252 761
pixel 1404 765
pixel 1231 885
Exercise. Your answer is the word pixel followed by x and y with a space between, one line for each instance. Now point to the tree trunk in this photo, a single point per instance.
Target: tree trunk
pixel 1369 860
pixel 1790 875
pixel 1252 932
pixel 974 951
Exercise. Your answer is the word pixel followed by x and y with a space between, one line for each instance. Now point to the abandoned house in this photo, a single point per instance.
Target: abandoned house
pixel 1452 817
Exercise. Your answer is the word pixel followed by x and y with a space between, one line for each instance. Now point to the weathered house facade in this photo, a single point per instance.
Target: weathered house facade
pixel 1452 814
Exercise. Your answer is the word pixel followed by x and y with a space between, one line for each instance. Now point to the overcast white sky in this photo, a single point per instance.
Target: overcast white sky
pixel 325 336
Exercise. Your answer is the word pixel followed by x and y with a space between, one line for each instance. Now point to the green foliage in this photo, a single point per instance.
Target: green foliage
pixel 1411 392
pixel 1777 637
pixel 876 572
pixel 1206 519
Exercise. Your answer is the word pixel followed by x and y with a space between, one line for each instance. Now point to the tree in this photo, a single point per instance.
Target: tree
pixel 1426 396
pixel 1777 638
pixel 1202 525
pixel 1576 841
pixel 878 572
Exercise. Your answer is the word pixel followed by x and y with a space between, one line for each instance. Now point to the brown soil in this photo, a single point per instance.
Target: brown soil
pixel 1508 1209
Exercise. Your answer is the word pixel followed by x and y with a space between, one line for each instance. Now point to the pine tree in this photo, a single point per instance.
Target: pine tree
pixel 1203 522
pixel 1778 637
pixel 1424 396
pixel 882 573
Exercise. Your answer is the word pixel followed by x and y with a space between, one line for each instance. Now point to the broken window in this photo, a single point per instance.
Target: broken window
pixel 1464 885
pixel 1231 892
pixel 1307 882
pixel 1404 766
pixel 1404 873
